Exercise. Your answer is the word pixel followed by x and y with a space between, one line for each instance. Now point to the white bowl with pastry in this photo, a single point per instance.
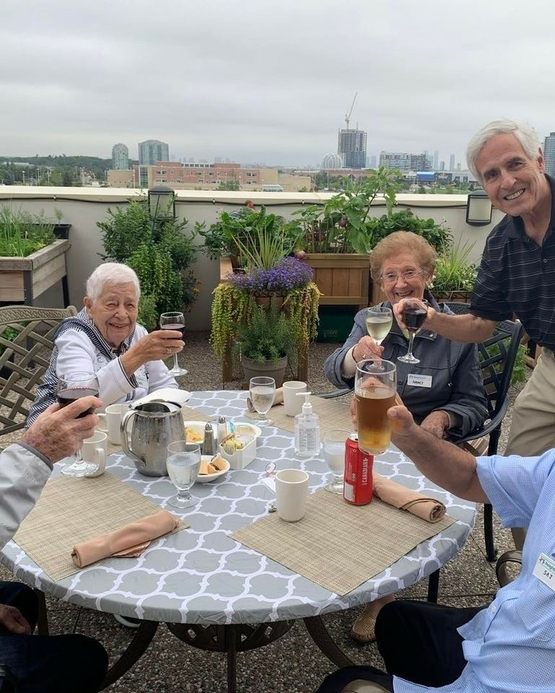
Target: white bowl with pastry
pixel 212 467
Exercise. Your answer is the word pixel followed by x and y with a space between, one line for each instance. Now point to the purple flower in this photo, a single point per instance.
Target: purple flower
pixel 289 273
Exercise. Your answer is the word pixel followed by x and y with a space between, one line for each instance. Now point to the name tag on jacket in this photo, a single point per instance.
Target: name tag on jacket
pixel 419 380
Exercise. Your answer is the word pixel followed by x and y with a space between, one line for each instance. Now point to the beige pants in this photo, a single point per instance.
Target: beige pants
pixel 533 422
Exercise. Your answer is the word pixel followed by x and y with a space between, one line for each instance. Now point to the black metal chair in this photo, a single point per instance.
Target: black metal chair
pixel 497 358
pixel 25 347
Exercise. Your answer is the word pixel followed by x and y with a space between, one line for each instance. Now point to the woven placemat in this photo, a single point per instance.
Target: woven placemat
pixel 71 510
pixel 337 545
pixel 332 415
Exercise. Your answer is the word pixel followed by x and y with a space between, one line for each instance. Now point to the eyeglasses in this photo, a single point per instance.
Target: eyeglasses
pixel 407 275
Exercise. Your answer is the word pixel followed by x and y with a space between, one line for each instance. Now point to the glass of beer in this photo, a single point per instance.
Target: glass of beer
pixel 375 390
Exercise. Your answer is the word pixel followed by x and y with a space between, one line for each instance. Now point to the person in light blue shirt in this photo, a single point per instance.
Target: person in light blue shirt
pixel 505 647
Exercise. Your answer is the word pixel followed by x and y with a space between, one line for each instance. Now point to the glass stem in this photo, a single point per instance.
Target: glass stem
pixel 411 340
pixel 175 363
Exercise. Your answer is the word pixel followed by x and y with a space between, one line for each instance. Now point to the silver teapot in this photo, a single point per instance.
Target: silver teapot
pixel 147 430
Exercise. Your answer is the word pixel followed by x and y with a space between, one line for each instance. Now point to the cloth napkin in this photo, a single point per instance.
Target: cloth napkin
pixel 129 541
pixel 428 509
pixel 165 394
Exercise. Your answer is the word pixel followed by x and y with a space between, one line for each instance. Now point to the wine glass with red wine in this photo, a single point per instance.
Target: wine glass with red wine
pixel 414 315
pixel 174 321
pixel 71 387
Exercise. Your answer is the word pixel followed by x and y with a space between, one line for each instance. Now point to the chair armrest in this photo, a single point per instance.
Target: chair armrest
pixel 361 686
pixel 334 393
pixel 510 559
pixel 487 428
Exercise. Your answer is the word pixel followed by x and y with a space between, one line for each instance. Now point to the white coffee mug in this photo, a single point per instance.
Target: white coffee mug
pixel 291 494
pixel 293 404
pixel 94 450
pixel 111 421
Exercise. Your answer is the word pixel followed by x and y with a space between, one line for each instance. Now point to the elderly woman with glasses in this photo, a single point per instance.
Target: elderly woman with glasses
pixel 444 392
pixel 104 338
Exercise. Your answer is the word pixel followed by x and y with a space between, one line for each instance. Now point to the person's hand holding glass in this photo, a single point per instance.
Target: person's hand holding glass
pixel 183 464
pixel 375 392
pixel 262 392
pixel 70 387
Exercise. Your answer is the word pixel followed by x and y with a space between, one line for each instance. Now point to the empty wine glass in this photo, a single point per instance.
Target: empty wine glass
pixel 378 322
pixel 262 390
pixel 183 464
pixel 70 387
pixel 174 321
pixel 413 317
pixel 334 454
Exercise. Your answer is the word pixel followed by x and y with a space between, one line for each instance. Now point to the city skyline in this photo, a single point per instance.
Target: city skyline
pixel 427 76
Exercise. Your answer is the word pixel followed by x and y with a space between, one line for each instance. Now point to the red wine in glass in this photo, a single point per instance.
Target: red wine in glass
pixel 174 321
pixel 414 317
pixel 70 394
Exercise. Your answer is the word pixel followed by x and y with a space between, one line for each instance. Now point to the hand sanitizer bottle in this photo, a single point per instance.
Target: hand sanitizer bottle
pixel 307 430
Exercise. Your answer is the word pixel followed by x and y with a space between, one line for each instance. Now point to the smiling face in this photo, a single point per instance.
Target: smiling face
pixel 514 182
pixel 114 312
pixel 403 277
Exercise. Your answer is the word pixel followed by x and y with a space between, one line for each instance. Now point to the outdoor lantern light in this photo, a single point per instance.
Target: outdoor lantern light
pixel 161 202
pixel 478 208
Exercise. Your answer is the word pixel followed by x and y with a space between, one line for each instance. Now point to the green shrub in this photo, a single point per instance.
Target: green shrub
pixel 160 251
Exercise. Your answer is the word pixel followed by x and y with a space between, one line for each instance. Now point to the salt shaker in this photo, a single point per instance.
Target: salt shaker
pixel 222 428
pixel 209 444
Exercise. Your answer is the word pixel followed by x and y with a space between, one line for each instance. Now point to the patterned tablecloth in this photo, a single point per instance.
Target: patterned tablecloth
pixel 201 575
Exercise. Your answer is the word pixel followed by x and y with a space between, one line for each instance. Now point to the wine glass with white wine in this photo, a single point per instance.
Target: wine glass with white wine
pixel 378 322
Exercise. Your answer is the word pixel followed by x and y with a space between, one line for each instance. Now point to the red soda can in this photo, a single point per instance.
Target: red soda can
pixel 357 486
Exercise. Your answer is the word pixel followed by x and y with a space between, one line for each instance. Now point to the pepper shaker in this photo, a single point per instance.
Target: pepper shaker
pixel 209 443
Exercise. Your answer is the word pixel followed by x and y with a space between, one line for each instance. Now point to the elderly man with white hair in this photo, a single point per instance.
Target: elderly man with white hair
pixel 104 338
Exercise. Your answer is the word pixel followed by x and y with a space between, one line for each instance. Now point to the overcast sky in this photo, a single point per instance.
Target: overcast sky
pixel 266 80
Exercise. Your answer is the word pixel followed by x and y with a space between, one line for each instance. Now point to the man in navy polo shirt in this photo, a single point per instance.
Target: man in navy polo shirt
pixel 517 271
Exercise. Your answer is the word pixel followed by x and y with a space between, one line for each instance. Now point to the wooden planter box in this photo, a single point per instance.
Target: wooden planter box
pixel 343 278
pixel 22 279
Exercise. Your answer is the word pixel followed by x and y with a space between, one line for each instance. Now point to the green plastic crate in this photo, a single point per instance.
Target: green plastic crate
pixel 336 323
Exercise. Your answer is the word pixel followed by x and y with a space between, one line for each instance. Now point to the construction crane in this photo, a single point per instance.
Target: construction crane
pixel 348 115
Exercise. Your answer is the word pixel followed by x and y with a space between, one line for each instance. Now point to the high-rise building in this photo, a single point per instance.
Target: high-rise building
pixel 436 160
pixel 153 151
pixel 549 154
pixel 451 162
pixel 351 147
pixel 120 157
pixel 405 161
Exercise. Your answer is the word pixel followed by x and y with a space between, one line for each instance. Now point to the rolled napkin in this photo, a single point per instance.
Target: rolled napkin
pixel 128 541
pixel 428 509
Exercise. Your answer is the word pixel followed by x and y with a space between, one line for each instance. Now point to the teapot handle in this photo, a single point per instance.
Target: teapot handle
pixel 124 426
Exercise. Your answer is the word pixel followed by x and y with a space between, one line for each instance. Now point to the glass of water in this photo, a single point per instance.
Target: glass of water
pixel 262 391
pixel 183 465
pixel 334 454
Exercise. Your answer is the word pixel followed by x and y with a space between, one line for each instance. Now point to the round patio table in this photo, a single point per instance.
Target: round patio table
pixel 215 593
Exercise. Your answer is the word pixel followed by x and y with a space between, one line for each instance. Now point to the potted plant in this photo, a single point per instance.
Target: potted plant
pixel 454 276
pixel 32 259
pixel 287 287
pixel 265 343
pixel 160 250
